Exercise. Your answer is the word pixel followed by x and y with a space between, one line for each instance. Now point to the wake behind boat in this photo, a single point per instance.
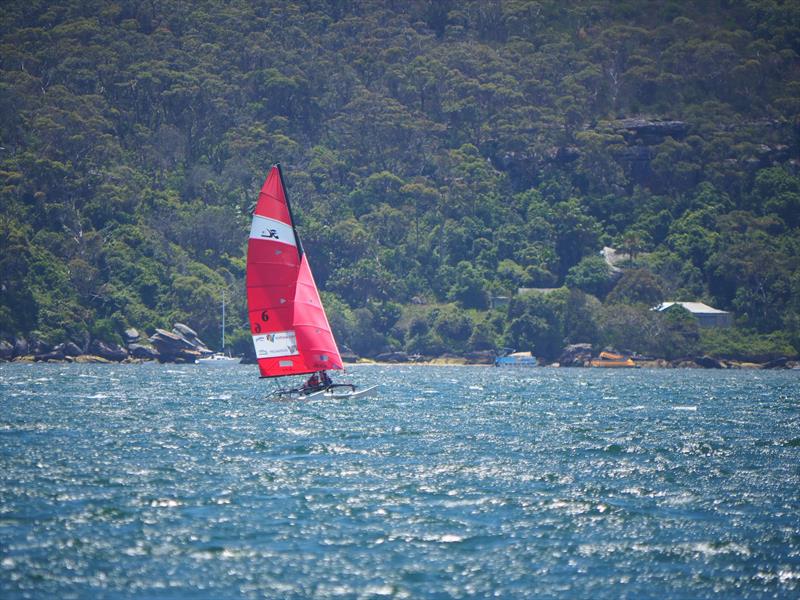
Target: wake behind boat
pixel 290 329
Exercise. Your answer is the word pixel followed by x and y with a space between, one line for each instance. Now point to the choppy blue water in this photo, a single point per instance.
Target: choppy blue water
pixel 454 482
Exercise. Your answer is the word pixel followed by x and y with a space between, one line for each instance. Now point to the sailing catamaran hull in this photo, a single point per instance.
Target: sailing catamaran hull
pixel 333 393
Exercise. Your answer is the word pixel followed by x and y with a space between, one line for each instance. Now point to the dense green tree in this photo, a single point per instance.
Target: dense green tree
pixel 434 151
pixel 18 309
pixel 454 327
pixel 468 287
pixel 637 286
pixel 535 322
pixel 751 267
pixel 776 191
pixel 577 233
pixel 581 313
pixel 592 275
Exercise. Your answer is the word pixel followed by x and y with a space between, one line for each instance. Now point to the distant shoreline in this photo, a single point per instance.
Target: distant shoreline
pixel 783 364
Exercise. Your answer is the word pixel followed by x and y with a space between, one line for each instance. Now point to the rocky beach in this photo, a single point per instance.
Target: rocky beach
pixel 182 345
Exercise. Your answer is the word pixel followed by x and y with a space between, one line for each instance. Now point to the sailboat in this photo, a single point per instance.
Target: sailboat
pixel 219 359
pixel 290 329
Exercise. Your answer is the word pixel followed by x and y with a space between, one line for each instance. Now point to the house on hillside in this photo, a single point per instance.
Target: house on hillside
pixel 706 315
pixel 498 301
pixel 527 290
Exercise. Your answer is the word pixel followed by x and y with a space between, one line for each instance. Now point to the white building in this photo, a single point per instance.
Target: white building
pixel 706 315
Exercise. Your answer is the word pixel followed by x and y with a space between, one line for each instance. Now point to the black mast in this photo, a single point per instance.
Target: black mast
pixel 289 207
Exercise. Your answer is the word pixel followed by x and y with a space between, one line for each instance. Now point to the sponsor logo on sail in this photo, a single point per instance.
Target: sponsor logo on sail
pixel 272 345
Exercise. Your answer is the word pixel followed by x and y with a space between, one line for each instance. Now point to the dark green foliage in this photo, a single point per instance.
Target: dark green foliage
pixel 454 327
pixel 469 287
pixel 434 151
pixel 755 265
pixel 678 334
pixel 591 275
pixel 483 336
pixel 105 330
pixel 777 192
pixel 581 313
pixel 637 286
pixel 447 328
pixel 746 345
pixel 535 322
pixel 671 335
pixel 365 339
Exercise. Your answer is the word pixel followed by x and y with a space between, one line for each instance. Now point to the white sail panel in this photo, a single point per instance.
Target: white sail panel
pixel 272 345
pixel 264 228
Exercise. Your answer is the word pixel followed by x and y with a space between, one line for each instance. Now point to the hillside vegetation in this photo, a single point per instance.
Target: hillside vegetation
pixel 438 154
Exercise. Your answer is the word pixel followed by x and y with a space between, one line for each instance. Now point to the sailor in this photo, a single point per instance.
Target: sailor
pixel 326 381
pixel 313 382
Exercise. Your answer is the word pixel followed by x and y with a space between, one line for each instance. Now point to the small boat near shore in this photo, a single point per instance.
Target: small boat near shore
pixel 613 360
pixel 219 359
pixel 516 359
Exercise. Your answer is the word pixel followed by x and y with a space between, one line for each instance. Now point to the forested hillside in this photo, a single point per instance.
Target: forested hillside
pixel 438 154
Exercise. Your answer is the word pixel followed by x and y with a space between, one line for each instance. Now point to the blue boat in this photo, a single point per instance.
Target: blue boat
pixel 516 359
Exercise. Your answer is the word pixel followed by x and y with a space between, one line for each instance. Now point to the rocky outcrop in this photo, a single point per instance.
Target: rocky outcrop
pixel 480 357
pixel 39 347
pixel 182 344
pixel 55 355
pixel 347 355
pixel 112 352
pixel 179 345
pixel 708 362
pixel 576 355
pixel 655 363
pixel 130 335
pixel 70 349
pixel 63 351
pixel 91 358
pixel 190 336
pixel 143 352
pixel 650 132
pixel 685 363
pixel 778 363
pixel 392 357
pixel 169 345
pixel 20 346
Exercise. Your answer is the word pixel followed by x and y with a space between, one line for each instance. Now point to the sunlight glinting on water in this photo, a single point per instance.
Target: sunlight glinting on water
pixel 453 482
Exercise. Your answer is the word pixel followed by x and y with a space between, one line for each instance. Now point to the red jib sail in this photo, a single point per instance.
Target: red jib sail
pixel 290 330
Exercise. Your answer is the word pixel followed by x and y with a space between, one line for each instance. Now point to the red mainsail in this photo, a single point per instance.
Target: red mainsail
pixel 290 330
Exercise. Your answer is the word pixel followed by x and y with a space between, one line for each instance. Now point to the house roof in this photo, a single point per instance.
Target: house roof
pixel 526 290
pixel 696 308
